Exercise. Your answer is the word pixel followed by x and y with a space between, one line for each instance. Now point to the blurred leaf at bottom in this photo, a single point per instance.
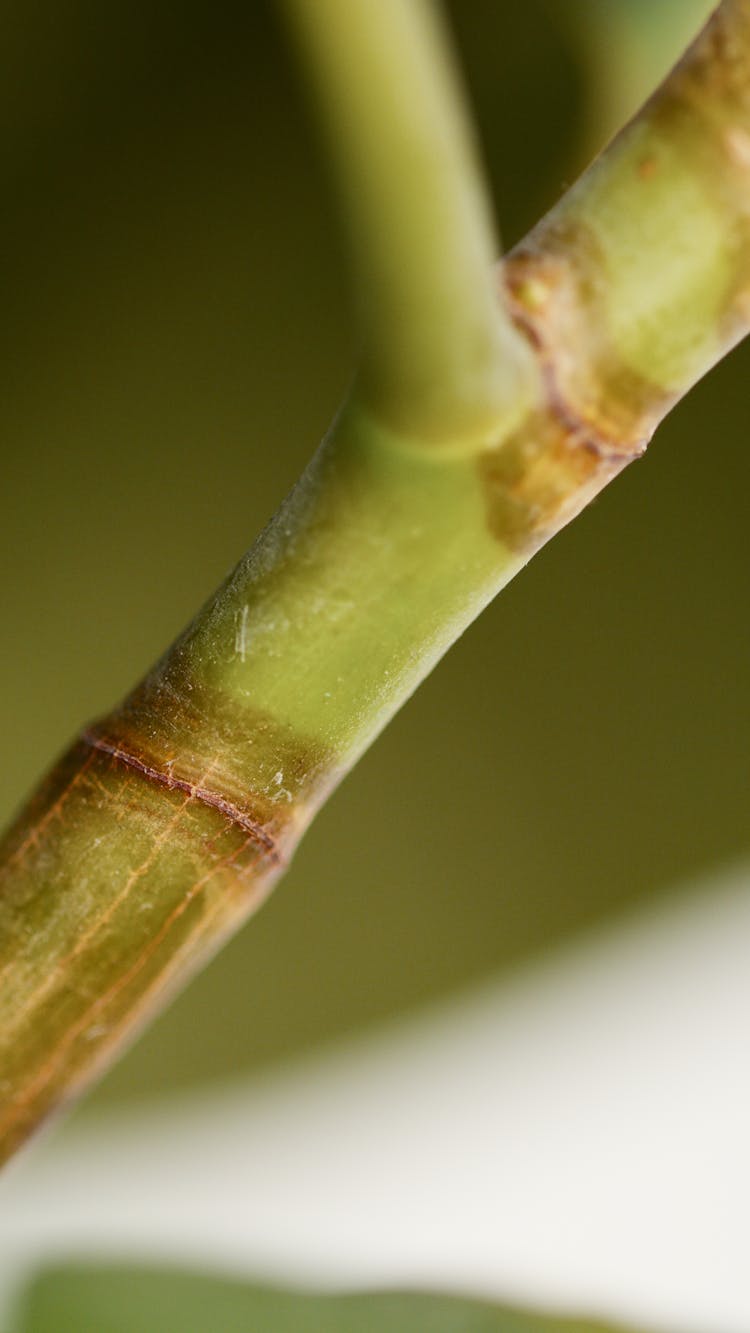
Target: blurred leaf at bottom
pixel 102 1299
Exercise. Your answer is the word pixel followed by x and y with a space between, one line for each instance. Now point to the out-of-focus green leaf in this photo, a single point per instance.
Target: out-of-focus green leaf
pixel 100 1299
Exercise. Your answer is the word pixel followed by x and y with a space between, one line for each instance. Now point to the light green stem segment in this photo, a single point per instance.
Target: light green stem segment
pixel 169 821
pixel 371 569
pixel 442 362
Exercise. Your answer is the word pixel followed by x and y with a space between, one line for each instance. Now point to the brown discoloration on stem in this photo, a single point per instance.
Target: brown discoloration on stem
pixel 574 443
pixel 556 287
pixel 541 478
pixel 194 791
pixel 631 287
pixel 125 873
pixel 588 266
pixel 715 71
pixel 262 770
pixel 705 104
pixel 85 1044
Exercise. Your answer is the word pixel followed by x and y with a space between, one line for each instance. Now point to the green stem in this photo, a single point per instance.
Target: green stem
pixel 442 362
pixel 170 819
pixel 167 823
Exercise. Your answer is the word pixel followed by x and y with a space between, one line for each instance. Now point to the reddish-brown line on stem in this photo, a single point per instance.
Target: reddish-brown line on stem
pixel 197 792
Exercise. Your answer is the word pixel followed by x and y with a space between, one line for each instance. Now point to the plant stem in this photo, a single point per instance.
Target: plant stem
pixel 170 820
pixel 167 823
pixel 646 36
pixel 639 279
pixel 442 362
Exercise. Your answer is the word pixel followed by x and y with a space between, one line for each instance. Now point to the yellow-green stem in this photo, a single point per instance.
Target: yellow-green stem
pixel 441 363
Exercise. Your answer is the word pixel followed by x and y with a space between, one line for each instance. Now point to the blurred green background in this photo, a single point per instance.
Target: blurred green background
pixel 175 337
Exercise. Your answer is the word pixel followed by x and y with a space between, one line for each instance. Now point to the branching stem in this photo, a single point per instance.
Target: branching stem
pixel 168 821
